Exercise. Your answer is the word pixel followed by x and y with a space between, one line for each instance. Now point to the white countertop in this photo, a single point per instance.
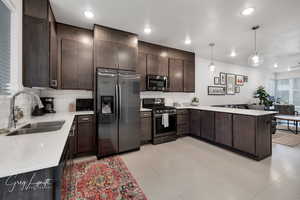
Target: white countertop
pixel 146 110
pixel 230 110
pixel 31 152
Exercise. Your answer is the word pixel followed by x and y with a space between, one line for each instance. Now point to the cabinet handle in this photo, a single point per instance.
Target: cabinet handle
pixel 85 119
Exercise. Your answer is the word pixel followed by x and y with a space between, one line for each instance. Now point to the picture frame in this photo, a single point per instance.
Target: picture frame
pixel 230 84
pixel 217 80
pixel 245 79
pixel 237 89
pixel 239 80
pixel 222 78
pixel 216 90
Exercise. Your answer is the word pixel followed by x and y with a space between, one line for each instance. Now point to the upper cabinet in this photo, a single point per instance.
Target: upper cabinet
pixel 115 49
pixel 178 65
pixel 75 60
pixel 39 44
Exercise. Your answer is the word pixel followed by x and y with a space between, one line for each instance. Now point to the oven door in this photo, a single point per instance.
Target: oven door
pixel 160 130
pixel 157 83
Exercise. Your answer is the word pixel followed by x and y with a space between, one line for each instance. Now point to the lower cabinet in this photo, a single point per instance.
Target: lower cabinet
pixel 223 128
pixel 183 122
pixel 83 136
pixel 244 131
pixel 208 125
pixel 146 127
pixel 86 134
pixel 195 123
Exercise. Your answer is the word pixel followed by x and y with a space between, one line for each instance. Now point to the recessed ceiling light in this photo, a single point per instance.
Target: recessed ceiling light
pixel 147 30
pixel 248 11
pixel 275 65
pixel 187 41
pixel 233 54
pixel 289 69
pixel 89 14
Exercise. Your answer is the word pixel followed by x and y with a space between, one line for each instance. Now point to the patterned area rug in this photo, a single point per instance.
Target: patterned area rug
pixel 105 179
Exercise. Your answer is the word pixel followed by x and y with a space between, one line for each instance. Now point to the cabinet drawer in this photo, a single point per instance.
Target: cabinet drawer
pixel 85 118
pixel 182 112
pixel 182 119
pixel 146 114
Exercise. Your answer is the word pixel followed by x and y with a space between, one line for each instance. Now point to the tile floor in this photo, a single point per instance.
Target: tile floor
pixel 189 169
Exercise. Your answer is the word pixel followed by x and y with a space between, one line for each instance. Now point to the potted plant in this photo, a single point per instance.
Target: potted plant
pixel 195 101
pixel 264 98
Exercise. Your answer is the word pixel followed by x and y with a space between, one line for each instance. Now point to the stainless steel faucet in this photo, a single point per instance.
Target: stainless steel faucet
pixel 12 120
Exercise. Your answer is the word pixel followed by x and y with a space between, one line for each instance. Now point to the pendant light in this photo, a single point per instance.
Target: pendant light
pixel 212 66
pixel 255 59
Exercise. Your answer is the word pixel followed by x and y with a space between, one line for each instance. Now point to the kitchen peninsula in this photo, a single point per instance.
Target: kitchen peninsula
pixel 247 132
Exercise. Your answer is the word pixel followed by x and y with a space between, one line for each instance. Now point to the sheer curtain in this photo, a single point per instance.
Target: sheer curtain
pixel 288 91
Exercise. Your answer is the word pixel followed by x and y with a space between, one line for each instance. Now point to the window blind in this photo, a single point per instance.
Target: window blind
pixel 5 35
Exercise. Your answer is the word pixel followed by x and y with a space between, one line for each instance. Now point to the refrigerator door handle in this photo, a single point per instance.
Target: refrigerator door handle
pixel 106 74
pixel 120 100
pixel 117 101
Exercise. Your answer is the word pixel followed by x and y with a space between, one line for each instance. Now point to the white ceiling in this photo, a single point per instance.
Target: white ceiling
pixel 204 21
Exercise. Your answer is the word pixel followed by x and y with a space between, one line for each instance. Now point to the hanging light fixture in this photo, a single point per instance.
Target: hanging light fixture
pixel 212 66
pixel 255 59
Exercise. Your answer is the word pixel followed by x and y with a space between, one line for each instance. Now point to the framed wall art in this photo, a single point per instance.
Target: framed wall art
pixel 222 78
pixel 245 79
pixel 239 80
pixel 217 80
pixel 237 89
pixel 216 90
pixel 230 84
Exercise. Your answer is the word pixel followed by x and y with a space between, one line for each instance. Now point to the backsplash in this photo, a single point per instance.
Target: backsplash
pixel 63 98
pixel 170 97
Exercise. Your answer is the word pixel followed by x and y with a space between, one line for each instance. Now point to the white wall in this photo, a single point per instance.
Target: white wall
pixel 204 78
pixel 287 75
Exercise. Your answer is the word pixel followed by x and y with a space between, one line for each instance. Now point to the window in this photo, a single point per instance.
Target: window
pixel 5 48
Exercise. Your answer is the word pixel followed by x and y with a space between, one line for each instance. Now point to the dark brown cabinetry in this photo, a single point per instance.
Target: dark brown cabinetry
pixel 83 136
pixel 244 133
pixel 176 75
pixel 183 122
pixel 86 137
pixel 39 40
pixel 75 58
pixel 146 127
pixel 223 128
pixel 195 123
pixel 36 8
pixel 189 76
pixel 115 49
pixel 208 125
pixel 53 50
pixel 142 70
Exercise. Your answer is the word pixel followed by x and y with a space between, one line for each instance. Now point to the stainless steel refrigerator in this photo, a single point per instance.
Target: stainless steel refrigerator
pixel 118 111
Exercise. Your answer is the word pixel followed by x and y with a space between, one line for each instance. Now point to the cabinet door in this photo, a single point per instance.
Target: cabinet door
pixel 36 8
pixel 53 51
pixel 85 66
pixel 223 128
pixel 35 52
pixel 127 57
pixel 86 136
pixel 208 125
pixel 146 129
pixel 163 65
pixel 106 54
pixel 176 75
pixel 73 139
pixel 69 65
pixel 195 123
pixel 244 133
pixel 142 70
pixel 152 65
pixel 189 76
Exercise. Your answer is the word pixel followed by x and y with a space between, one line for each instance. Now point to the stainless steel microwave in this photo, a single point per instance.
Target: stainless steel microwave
pixel 157 83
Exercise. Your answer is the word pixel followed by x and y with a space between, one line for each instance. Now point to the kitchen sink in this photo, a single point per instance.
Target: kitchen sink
pixel 39 127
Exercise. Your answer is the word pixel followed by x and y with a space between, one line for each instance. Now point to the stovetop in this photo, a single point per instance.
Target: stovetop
pixel 158 106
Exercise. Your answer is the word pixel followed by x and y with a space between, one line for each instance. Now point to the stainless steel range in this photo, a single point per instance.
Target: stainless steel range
pixel 164 120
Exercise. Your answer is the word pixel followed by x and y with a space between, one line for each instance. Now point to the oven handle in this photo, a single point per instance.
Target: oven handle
pixel 159 115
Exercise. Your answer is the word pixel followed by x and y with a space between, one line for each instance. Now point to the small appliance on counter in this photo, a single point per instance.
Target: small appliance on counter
pixel 85 104
pixel 48 103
